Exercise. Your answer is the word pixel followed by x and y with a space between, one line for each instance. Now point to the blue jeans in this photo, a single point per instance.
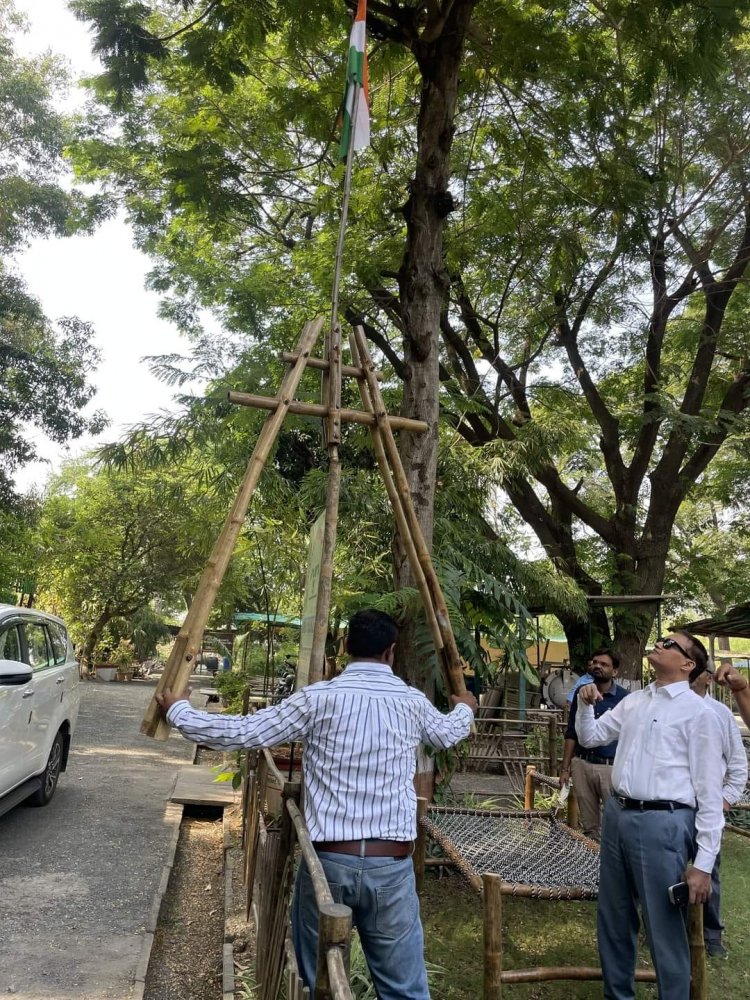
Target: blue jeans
pixel 642 854
pixel 385 910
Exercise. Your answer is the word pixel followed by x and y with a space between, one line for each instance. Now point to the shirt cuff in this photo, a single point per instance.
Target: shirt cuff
pixel 174 709
pixel 462 704
pixel 704 861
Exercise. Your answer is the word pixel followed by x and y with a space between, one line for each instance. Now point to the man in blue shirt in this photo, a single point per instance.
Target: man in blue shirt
pixel 591 770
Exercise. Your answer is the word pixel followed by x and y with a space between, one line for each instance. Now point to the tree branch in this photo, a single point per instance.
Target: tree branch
pixel 608 424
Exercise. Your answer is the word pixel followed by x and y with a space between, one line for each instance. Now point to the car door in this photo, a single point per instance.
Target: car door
pixel 46 699
pixel 68 673
pixel 16 737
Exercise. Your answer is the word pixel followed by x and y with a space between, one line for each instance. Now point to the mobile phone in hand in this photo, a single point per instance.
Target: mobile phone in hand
pixel 679 894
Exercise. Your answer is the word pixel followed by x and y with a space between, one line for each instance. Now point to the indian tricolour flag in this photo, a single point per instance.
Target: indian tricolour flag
pixel 356 117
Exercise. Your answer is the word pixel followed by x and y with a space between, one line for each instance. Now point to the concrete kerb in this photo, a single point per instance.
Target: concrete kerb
pixel 173 816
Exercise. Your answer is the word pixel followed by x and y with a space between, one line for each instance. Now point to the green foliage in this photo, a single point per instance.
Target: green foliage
pixel 232 686
pixel 112 543
pixel 44 368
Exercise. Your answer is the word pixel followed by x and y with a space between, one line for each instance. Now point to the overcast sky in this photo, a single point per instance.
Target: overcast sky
pixel 99 278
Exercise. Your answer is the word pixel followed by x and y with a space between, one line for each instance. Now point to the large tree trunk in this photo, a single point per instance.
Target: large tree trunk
pixel 92 639
pixel 424 284
pixel 585 636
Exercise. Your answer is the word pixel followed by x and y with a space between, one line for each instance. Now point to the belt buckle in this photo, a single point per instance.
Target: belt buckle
pixel 362 848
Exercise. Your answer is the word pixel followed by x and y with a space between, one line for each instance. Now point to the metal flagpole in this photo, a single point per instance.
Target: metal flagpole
pixel 331 391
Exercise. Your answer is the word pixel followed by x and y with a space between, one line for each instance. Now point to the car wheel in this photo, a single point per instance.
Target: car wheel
pixel 50 774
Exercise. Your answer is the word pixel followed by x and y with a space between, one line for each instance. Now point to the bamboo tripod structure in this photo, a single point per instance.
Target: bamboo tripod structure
pixel 189 639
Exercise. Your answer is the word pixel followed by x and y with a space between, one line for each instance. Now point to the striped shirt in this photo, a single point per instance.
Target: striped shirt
pixel 360 733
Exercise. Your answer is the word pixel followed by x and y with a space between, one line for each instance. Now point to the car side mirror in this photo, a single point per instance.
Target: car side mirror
pixel 13 672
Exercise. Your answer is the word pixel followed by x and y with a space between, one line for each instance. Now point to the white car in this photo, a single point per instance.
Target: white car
pixel 39 699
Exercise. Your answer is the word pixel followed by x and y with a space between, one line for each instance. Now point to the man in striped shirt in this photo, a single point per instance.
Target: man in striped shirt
pixel 360 733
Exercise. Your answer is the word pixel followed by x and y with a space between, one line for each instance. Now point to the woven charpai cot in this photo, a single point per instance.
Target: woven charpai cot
pixel 525 850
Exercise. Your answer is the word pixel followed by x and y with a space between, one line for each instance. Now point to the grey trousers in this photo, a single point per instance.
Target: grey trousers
pixel 712 925
pixel 642 854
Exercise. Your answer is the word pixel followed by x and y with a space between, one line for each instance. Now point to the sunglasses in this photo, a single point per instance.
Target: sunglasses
pixel 674 644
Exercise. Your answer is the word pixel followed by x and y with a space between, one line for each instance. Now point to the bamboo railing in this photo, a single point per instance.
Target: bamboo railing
pixel 270 849
pixel 501 740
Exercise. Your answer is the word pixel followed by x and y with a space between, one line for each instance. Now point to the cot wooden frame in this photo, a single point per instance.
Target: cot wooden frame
pixel 492 887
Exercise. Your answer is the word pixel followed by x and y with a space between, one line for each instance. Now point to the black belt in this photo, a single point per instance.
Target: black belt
pixel 593 758
pixel 366 848
pixel 643 804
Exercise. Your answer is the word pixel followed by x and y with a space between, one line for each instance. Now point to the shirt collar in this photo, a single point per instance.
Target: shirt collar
pixel 673 690
pixel 368 666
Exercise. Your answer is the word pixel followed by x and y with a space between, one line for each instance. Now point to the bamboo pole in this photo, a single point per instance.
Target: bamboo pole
pixel 321 410
pixel 698 972
pixel 350 371
pixel 528 788
pixel 420 846
pixel 323 895
pixel 450 655
pixel 545 973
pixel 180 663
pixel 552 745
pixel 398 511
pixel 493 937
pixel 332 437
pixel 334 932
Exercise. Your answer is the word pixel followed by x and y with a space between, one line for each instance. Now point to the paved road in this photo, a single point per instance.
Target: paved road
pixel 78 877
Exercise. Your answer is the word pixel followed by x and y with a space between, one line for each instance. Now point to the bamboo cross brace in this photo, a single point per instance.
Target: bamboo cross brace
pixel 181 660
pixel 321 410
pixel 451 658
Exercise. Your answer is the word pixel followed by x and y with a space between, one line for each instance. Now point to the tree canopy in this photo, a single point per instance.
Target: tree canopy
pixel 45 367
pixel 549 236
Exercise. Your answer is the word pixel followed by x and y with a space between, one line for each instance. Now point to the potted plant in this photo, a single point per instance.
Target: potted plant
pixel 123 657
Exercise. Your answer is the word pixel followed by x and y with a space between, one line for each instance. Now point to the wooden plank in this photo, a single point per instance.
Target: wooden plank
pixel 196 786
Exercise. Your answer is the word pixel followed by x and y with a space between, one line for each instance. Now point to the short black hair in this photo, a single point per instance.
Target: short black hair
pixel 606 651
pixel 698 653
pixel 370 633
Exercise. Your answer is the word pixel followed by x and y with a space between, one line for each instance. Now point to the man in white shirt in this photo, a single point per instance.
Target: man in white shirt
pixel 360 733
pixel 734 762
pixel 667 783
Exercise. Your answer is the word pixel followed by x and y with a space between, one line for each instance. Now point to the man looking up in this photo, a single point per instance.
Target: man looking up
pixel 591 770
pixel 666 796
pixel 360 733
pixel 734 765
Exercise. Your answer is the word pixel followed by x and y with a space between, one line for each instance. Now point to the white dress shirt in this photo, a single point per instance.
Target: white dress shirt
pixel 360 733
pixel 670 748
pixel 733 752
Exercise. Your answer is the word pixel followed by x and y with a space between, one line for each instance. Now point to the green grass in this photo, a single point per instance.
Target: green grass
pixel 539 932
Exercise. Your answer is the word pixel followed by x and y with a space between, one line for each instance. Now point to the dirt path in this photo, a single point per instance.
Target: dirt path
pixel 77 879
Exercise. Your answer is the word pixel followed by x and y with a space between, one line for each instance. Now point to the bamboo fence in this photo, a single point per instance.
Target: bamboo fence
pixel 270 845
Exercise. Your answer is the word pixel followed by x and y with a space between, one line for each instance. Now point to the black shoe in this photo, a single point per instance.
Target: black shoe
pixel 715 949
